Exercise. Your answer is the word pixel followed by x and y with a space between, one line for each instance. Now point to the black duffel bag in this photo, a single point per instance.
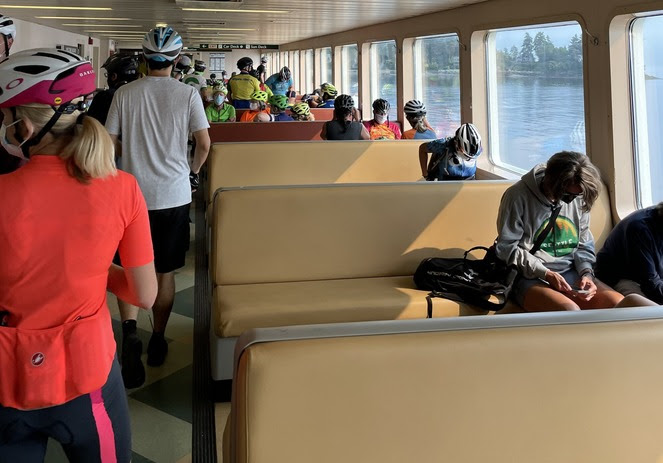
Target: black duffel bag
pixel 485 283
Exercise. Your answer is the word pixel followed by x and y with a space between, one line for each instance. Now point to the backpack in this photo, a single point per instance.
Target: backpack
pixel 485 283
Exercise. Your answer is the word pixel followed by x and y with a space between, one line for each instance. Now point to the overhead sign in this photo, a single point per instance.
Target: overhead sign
pixel 234 46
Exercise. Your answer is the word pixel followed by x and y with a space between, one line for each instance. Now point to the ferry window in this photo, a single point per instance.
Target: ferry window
pixel 647 93
pixel 294 68
pixel 535 94
pixel 437 81
pixel 325 65
pixel 309 84
pixel 383 74
pixel 284 60
pixel 350 71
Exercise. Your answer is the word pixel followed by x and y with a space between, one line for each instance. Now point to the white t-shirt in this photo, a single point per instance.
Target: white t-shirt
pixel 196 80
pixel 154 116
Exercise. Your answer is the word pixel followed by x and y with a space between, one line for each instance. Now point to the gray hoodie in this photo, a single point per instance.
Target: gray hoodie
pixel 524 213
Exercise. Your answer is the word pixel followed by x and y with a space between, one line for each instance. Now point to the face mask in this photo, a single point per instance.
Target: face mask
pixel 380 119
pixel 6 144
pixel 254 106
pixel 218 100
pixel 568 197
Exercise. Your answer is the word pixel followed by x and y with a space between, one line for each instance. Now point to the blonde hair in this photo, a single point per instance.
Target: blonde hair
pixel 88 149
pixel 419 123
pixel 568 168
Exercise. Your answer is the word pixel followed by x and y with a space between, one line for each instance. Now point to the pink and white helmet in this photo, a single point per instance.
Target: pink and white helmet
pixel 45 76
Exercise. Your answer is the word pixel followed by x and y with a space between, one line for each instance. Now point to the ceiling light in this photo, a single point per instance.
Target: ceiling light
pixel 218 29
pixel 47 7
pixel 102 25
pixel 73 18
pixel 235 11
pixel 161 25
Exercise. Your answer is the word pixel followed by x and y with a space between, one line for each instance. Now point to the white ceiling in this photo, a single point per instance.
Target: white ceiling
pixel 303 18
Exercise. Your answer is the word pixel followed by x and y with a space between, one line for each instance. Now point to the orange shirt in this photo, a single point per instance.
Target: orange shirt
pixel 247 116
pixel 57 241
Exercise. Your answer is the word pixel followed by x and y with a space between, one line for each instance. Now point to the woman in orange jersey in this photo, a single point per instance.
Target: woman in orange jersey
pixel 62 217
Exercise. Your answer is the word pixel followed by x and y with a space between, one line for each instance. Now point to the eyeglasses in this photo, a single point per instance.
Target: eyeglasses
pixel 568 196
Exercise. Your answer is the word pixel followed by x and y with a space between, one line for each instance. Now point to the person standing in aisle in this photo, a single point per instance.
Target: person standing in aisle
pixel 154 117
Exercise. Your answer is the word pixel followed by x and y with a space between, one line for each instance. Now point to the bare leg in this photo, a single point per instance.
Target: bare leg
pixel 542 298
pixel 157 349
pixel 163 305
pixel 605 298
pixel 127 311
pixel 635 300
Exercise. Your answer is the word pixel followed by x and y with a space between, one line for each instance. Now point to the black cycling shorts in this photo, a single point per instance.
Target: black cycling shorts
pixel 91 428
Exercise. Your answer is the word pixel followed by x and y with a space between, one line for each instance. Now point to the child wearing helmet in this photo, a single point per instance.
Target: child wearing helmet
pixel 453 158
pixel 64 215
pixel 345 125
pixel 241 86
pixel 257 104
pixel 329 94
pixel 278 104
pixel 415 113
pixel 380 127
pixel 281 82
pixel 301 112
pixel 220 110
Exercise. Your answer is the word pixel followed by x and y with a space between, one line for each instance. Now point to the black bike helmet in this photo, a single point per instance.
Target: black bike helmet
pixel 381 106
pixel 125 67
pixel 199 66
pixel 344 101
pixel 244 63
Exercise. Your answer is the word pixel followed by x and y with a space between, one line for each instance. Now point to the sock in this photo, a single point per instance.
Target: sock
pixel 128 327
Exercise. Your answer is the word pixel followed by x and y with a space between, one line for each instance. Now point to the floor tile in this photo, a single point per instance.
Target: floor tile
pixel 179 356
pixel 221 412
pixel 171 394
pixel 184 302
pixel 157 435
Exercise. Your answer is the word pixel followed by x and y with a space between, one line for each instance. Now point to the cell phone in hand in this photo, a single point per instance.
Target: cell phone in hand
pixel 580 291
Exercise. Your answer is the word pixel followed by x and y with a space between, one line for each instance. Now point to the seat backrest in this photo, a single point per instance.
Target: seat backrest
pixel 301 163
pixel 320 114
pixel 565 387
pixel 322 232
pixel 265 131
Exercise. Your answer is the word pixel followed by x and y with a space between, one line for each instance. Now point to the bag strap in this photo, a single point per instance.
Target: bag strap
pixel 546 231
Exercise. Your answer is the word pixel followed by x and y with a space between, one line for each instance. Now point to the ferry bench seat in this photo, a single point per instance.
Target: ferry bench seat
pixel 265 131
pixel 562 387
pixel 301 163
pixel 299 255
pixel 320 114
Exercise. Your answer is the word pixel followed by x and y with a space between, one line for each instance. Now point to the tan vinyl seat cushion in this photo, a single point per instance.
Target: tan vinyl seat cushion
pixel 241 307
pixel 588 393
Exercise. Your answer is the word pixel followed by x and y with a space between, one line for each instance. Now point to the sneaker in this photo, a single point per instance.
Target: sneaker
pixel 133 371
pixel 157 350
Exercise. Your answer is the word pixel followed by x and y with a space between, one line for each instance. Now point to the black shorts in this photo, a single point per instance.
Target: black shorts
pixel 91 428
pixel 170 237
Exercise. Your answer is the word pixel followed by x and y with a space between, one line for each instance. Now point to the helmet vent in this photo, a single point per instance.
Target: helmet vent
pixel 51 55
pixel 32 70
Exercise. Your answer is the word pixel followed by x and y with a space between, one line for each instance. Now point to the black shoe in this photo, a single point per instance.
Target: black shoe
pixel 157 350
pixel 133 371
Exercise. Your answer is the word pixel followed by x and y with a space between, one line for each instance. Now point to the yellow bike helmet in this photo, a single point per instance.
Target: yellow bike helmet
pixel 259 96
pixel 330 90
pixel 301 109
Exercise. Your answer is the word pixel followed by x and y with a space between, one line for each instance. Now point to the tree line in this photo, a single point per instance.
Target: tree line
pixel 539 56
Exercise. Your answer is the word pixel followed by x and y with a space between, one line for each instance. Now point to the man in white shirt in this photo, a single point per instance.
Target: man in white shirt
pixel 153 117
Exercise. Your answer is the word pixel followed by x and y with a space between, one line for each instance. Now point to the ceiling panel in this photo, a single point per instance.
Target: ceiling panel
pixel 293 19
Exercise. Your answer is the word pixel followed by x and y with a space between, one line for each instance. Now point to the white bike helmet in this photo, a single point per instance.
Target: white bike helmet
pixel 469 140
pixel 162 44
pixel 45 76
pixel 414 108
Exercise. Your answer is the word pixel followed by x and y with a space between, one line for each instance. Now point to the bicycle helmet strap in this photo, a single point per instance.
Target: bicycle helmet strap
pixel 44 130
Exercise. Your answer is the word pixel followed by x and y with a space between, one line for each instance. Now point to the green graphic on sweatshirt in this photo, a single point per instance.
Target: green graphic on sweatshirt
pixel 562 239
